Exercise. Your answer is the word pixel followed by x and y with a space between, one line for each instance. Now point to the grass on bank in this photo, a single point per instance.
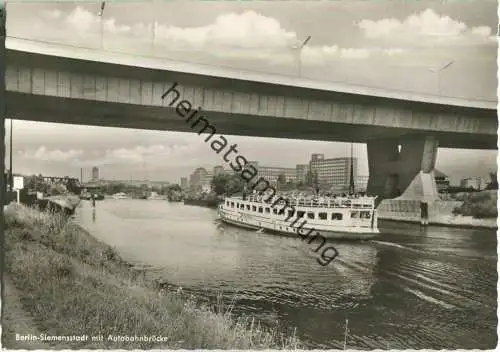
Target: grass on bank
pixel 73 284
pixel 479 205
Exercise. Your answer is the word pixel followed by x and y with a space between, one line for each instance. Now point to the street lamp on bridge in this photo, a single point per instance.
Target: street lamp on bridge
pixel 100 14
pixel 437 71
pixel 299 47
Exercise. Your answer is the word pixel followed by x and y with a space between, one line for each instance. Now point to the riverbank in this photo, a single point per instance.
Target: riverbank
pixel 69 283
pixel 475 210
pixel 209 203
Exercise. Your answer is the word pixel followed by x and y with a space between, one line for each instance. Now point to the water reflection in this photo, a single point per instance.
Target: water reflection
pixel 411 288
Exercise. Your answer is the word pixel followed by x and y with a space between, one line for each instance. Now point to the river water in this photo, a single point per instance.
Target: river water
pixel 410 288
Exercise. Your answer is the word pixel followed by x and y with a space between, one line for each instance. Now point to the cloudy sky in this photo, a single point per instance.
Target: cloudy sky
pixel 396 45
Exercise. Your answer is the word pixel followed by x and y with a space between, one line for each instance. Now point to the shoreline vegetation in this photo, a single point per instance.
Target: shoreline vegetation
pixel 66 282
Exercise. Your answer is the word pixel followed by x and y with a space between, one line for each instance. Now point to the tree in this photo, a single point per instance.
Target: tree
pixel 57 189
pixel 494 182
pixel 311 178
pixel 227 184
pixel 281 179
pixel 174 188
pixel 36 183
pixel 219 183
pixel 235 185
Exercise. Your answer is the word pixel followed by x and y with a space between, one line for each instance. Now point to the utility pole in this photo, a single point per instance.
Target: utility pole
pixel 100 14
pixel 3 33
pixel 153 28
pixel 11 179
pixel 351 177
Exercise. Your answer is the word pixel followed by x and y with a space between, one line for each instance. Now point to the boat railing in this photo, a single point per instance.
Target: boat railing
pixel 337 202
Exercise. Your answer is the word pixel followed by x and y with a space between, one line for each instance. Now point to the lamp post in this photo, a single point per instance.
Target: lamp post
pixel 438 71
pixel 100 14
pixel 153 28
pixel 299 48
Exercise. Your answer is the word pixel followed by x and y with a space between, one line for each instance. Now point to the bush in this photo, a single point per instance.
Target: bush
pixel 479 205
pixel 73 284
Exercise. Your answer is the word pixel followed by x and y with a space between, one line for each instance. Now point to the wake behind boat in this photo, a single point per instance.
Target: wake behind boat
pixel 351 217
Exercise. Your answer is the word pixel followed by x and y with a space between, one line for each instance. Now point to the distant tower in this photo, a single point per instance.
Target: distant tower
pixel 95 173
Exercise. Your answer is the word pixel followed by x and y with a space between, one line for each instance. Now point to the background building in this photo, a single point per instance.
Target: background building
pixel 184 182
pixel 334 171
pixel 301 171
pixel 218 170
pixel 197 178
pixel 95 173
pixel 271 173
pixel 360 183
pixel 442 180
pixel 471 182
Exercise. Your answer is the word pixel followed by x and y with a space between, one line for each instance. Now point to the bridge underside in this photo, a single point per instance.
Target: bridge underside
pixel 32 107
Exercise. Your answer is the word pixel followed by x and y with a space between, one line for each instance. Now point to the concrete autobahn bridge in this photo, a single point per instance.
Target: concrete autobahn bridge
pixel 54 83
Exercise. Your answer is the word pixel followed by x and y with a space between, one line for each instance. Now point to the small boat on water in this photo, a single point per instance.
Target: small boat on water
pixel 120 195
pixel 350 217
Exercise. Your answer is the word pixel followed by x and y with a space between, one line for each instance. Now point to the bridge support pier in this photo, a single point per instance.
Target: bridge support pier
pixel 403 168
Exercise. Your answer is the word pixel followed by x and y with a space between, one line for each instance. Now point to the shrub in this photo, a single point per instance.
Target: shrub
pixel 73 284
pixel 479 205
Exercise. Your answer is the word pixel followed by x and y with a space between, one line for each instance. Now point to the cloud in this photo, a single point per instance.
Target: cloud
pixel 354 53
pixel 246 35
pixel 57 155
pixel 140 155
pixel 394 51
pixel 428 24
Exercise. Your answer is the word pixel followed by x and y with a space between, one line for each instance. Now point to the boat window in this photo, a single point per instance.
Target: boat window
pixel 300 214
pixel 242 206
pixel 365 215
pixel 336 216
pixel 254 208
pixel 323 216
pixel 310 215
pixel 355 215
pixel 291 213
pixel 232 204
pixel 281 212
pixel 268 210
pixel 260 210
pixel 227 202
pixel 248 206
pixel 275 211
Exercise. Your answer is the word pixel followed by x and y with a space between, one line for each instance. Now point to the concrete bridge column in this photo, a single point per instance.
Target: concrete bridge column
pixel 3 104
pixel 403 168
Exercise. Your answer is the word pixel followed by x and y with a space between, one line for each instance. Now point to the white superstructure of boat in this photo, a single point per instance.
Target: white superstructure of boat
pixel 120 195
pixel 351 217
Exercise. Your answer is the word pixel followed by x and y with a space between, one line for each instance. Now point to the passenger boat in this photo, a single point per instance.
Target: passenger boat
pixel 352 217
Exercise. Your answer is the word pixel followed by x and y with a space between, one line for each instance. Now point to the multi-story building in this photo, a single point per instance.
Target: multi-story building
pixel 253 163
pixel 198 178
pixel 471 182
pixel 95 173
pixel 218 170
pixel 206 180
pixel 301 171
pixel 360 183
pixel 333 171
pixel 442 180
pixel 184 182
pixel 271 173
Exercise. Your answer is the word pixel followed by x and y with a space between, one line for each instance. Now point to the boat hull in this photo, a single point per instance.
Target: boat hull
pixel 339 233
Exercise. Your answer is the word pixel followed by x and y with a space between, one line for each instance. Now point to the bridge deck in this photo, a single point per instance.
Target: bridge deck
pixel 164 64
